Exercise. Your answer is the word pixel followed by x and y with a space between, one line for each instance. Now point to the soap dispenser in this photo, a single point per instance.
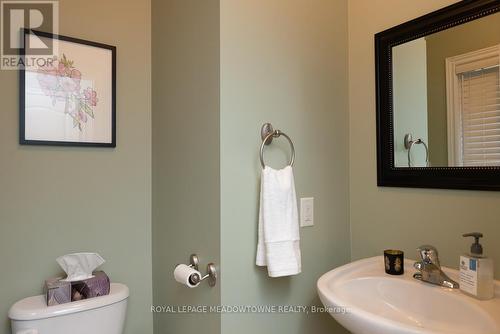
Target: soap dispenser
pixel 476 271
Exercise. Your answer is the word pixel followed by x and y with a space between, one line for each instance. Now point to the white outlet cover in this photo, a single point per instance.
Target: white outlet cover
pixel 307 211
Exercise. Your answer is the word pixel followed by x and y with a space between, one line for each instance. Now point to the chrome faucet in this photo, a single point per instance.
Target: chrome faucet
pixel 429 269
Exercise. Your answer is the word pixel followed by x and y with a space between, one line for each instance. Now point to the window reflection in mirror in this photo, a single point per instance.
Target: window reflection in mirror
pixel 446 95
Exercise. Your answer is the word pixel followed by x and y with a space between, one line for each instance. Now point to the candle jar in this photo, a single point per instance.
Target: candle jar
pixel 394 262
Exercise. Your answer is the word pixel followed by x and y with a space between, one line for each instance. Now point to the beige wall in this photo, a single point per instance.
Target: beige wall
pixel 285 62
pixel 58 200
pixel 459 40
pixel 402 218
pixel 186 156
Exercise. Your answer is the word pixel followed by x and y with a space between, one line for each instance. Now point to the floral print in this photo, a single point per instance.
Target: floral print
pixel 61 81
pixel 397 265
pixel 90 96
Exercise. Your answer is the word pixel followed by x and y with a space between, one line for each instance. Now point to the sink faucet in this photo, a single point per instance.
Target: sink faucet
pixel 429 269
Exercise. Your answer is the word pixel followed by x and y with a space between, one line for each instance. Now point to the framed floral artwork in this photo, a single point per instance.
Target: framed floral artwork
pixel 68 99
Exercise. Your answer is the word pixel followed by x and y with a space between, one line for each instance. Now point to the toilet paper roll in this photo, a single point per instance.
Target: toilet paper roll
pixel 183 274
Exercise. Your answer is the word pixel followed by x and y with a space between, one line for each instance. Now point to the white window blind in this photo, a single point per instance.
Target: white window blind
pixel 480 116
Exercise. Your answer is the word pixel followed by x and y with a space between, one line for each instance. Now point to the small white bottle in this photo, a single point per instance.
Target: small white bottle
pixel 476 271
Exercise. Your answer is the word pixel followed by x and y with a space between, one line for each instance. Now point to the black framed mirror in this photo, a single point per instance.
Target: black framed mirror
pixel 438 99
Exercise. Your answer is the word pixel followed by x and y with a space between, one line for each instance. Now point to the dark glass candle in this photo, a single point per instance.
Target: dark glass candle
pixel 394 262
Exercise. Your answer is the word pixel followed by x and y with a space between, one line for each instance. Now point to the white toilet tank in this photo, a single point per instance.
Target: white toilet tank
pixel 100 315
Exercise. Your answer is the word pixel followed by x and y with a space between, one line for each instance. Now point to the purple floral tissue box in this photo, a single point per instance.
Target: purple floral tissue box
pixel 96 286
pixel 60 292
pixel 57 292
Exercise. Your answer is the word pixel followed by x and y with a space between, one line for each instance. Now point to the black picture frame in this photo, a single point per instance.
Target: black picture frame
pixel 388 175
pixel 22 76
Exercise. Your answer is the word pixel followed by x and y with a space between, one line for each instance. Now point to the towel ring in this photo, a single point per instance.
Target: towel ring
pixel 267 134
pixel 409 142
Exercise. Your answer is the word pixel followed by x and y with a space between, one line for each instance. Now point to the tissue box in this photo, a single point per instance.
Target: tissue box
pixel 96 286
pixel 57 292
pixel 60 292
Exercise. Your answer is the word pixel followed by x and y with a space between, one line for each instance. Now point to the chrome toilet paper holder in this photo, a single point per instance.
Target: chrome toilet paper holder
pixel 211 274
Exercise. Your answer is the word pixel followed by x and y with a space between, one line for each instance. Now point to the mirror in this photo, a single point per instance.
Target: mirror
pixel 446 95
pixel 438 99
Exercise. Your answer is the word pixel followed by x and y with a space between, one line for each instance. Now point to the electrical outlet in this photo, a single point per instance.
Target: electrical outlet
pixel 307 211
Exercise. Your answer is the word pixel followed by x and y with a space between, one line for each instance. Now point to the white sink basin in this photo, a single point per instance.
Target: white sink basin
pixel 377 303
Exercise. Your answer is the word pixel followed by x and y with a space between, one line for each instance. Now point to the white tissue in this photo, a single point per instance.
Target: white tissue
pixel 79 266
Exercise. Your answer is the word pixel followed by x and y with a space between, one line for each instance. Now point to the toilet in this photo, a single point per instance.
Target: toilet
pixel 100 315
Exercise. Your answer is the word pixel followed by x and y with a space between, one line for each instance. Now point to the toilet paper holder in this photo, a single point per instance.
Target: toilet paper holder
pixel 211 274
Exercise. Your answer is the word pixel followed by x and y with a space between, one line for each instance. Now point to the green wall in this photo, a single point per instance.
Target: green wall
pixel 186 182
pixel 410 100
pixel 285 62
pixel 57 200
pixel 475 35
pixel 279 61
pixel 221 69
pixel 403 218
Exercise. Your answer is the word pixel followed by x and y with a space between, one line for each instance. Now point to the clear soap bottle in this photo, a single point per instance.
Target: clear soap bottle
pixel 476 271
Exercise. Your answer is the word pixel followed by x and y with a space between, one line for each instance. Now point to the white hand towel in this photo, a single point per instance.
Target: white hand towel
pixel 278 247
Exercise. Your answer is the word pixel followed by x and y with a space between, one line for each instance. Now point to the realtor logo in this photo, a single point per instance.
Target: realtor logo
pixel 33 15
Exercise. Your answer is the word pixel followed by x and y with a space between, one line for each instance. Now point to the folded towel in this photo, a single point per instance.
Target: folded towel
pixel 278 247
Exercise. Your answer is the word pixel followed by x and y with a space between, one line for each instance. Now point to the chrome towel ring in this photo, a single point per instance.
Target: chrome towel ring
pixel 267 134
pixel 409 142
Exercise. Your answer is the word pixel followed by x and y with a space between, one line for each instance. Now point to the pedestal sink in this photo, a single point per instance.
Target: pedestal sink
pixel 377 303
